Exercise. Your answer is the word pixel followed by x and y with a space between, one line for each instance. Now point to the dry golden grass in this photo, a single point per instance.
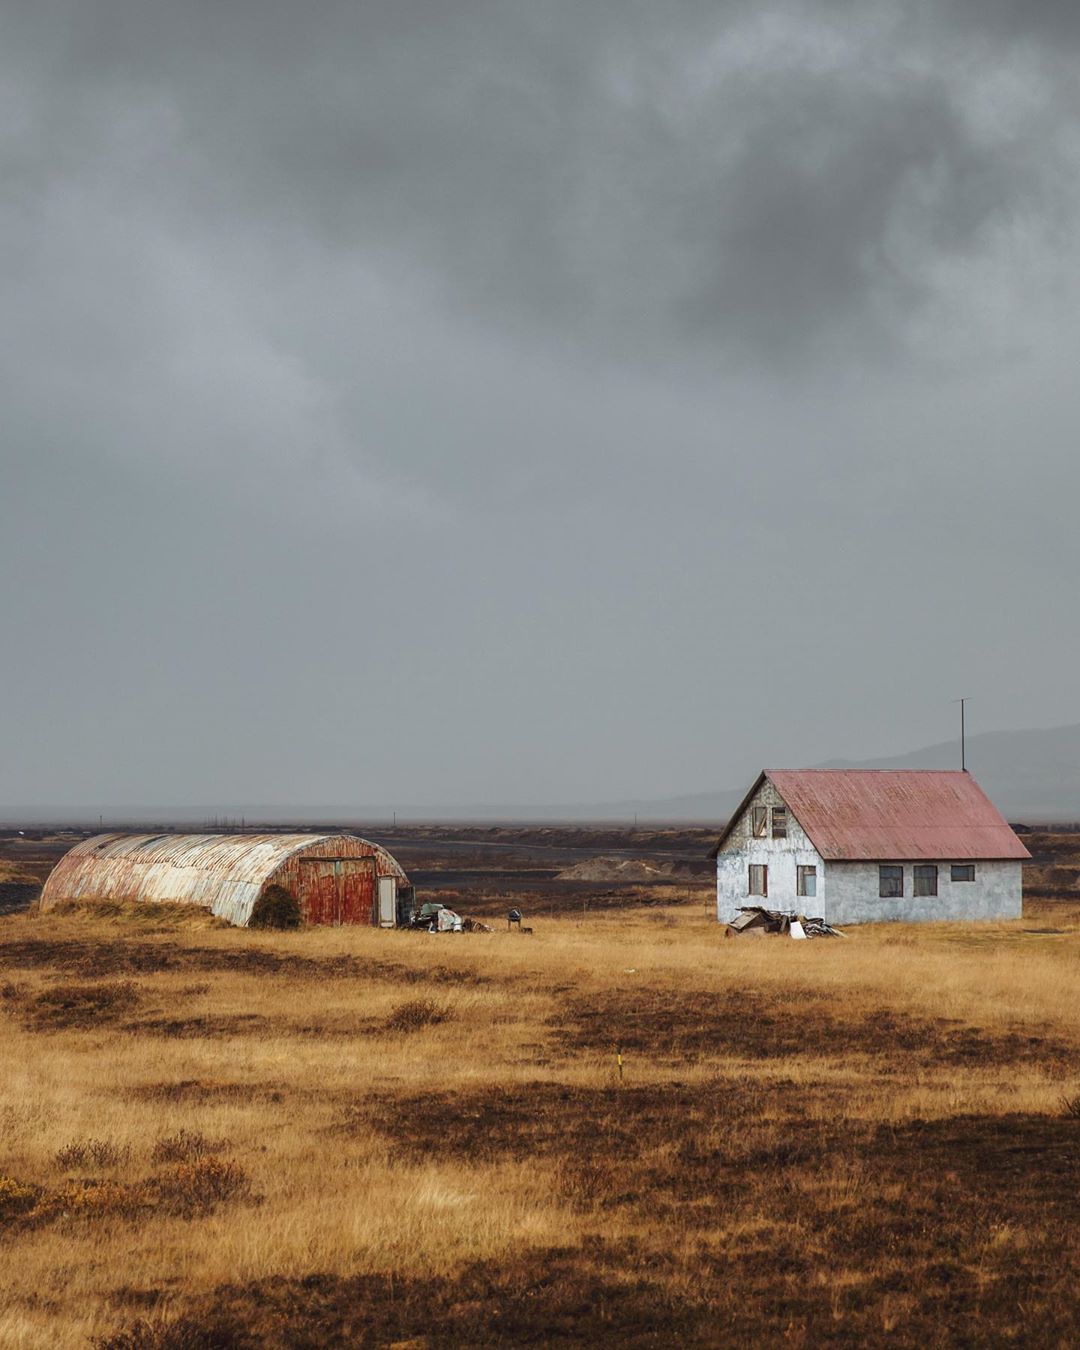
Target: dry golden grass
pixel 217 1137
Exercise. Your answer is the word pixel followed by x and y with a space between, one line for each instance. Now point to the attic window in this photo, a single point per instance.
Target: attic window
pixel 963 872
pixel 779 822
pixel 759 879
pixel 759 821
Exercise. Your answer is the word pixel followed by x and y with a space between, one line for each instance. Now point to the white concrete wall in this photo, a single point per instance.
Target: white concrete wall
pixel 781 856
pixel 851 894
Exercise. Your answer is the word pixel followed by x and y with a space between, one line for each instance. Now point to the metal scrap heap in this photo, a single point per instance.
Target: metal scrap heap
pixel 754 921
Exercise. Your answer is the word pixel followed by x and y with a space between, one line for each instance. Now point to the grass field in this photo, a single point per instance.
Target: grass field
pixel 215 1137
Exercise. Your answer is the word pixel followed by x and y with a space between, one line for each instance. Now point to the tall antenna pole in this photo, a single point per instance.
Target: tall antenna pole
pixel 963 739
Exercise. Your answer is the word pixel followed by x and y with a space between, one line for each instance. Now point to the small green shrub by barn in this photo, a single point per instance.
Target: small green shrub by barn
pixel 275 908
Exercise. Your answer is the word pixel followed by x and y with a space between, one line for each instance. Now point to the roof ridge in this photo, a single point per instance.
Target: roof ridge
pixel 836 768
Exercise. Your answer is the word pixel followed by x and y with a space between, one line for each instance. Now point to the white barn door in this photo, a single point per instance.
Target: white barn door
pixel 387 902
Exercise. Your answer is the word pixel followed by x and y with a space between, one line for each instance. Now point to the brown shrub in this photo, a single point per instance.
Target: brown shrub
pixel 196 1188
pixel 417 1013
pixel 101 1152
pixel 95 1200
pixel 17 1197
pixel 186 1333
pixel 186 1146
pixel 275 908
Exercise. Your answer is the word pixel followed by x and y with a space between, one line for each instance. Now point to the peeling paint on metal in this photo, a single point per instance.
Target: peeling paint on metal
pixel 333 876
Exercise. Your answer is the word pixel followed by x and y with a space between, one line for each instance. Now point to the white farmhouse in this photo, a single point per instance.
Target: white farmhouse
pixel 861 845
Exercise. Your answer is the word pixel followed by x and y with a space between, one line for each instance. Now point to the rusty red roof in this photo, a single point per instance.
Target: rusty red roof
pixel 895 814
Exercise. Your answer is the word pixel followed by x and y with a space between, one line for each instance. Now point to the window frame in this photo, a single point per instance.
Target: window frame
pixel 763 870
pixel 892 869
pixel 923 875
pixel 969 868
pixel 782 833
pixel 759 815
pixel 804 872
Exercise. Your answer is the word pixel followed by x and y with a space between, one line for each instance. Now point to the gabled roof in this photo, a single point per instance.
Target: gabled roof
pixel 895 815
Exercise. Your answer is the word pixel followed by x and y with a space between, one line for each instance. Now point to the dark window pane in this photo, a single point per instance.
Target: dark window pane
pixel 759 879
pixel 779 822
pixel 925 879
pixel 890 881
pixel 963 871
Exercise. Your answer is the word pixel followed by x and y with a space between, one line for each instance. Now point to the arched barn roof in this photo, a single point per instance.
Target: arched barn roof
pixel 224 873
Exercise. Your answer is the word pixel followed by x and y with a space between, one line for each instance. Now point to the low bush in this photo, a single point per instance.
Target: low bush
pixel 186 1146
pixel 195 1188
pixel 17 1197
pixel 99 1152
pixel 96 1200
pixel 417 1013
pixel 275 908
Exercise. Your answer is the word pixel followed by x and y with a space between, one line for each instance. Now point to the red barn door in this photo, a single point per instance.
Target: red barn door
pixel 337 890
pixel 318 890
pixel 356 890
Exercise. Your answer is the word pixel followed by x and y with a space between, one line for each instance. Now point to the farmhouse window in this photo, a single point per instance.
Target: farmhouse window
pixel 890 881
pixel 759 879
pixel 759 819
pixel 779 822
pixel 806 881
pixel 925 879
pixel 963 871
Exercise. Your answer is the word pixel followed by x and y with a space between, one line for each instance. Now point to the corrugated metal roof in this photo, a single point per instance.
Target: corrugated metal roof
pixel 222 872
pixel 896 814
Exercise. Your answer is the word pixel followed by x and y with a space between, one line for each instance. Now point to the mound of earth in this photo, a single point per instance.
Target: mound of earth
pixel 619 869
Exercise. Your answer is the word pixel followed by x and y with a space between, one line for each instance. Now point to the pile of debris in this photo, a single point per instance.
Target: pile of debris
pixel 432 917
pixel 753 921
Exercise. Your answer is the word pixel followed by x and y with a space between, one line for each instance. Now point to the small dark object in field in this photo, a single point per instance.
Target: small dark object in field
pixel 1071 1107
pixel 275 908
pixel 527 930
pixel 417 1013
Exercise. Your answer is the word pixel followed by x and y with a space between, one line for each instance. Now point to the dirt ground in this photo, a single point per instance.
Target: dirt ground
pixel 623 1130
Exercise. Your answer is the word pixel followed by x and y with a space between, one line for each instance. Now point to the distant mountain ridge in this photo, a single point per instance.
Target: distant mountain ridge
pixel 1032 775
pixel 1029 775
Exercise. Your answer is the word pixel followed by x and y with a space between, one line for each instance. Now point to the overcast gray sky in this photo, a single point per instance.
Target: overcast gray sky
pixel 529 401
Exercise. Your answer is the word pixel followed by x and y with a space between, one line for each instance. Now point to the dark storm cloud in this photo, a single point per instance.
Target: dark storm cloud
pixel 764 179
pixel 411 401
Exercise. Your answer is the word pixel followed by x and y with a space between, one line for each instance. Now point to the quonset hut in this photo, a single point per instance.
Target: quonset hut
pixel 334 878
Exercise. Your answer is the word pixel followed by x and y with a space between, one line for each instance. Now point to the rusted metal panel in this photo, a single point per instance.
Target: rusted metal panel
pixel 227 873
pixel 356 891
pixel 896 814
